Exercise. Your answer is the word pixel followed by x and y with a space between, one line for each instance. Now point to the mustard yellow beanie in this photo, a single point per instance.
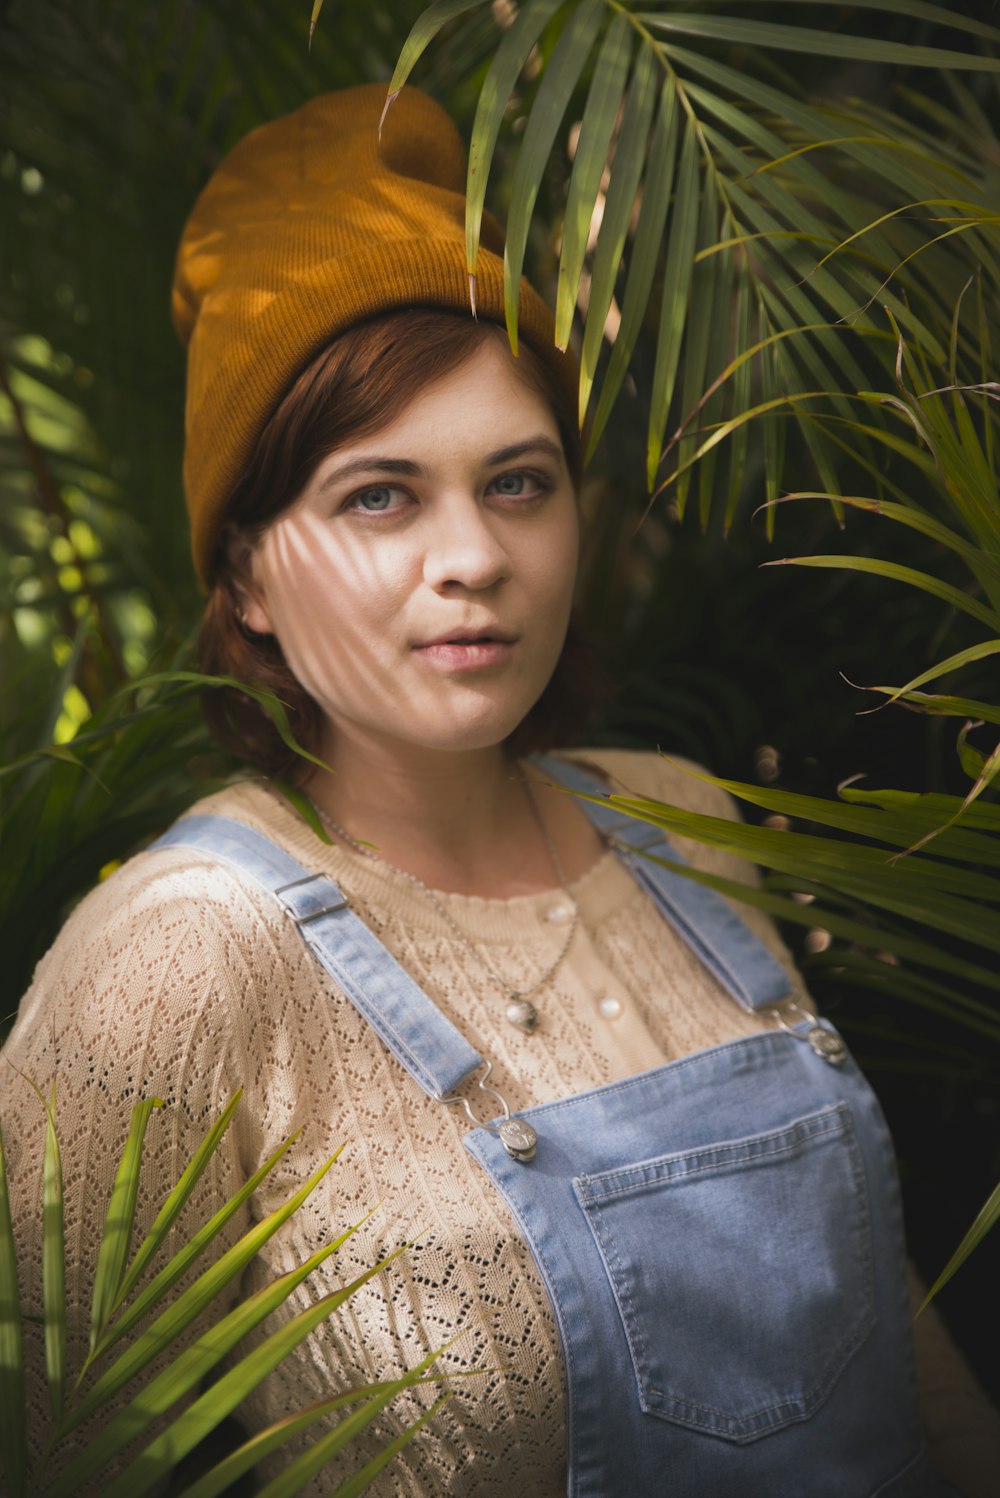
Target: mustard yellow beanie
pixel 310 225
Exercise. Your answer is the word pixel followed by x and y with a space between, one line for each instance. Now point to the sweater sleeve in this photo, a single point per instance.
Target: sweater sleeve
pixel 136 999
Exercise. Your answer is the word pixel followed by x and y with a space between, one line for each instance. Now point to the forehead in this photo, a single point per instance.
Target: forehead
pixel 487 389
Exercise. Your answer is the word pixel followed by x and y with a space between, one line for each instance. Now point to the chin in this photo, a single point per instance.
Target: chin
pixel 486 728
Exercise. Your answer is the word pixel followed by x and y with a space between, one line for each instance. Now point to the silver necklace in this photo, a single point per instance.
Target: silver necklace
pixel 519 1012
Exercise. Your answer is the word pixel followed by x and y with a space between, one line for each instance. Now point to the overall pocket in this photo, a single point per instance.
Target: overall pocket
pixel 742 1272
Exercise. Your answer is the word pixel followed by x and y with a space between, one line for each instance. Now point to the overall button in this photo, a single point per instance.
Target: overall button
pixel 610 1007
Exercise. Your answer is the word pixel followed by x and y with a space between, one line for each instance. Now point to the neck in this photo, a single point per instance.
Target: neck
pixel 456 820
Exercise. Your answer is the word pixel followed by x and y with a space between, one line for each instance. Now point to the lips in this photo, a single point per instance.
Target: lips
pixel 467 651
pixel 469 637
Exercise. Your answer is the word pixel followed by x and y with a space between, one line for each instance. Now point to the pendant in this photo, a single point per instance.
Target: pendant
pixel 522 1015
pixel 518 1139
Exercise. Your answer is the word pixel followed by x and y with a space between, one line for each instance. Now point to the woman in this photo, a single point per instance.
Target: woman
pixel 672 1245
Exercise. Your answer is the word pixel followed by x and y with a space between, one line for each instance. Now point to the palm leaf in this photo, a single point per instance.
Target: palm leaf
pixel 681 245
pixel 265 1442
pixel 188 1306
pixel 53 1265
pixel 116 1238
pixel 511 55
pixel 618 210
pixel 558 84
pixel 645 253
pixel 187 1370
pixel 13 1440
pixel 593 146
pixel 985 1219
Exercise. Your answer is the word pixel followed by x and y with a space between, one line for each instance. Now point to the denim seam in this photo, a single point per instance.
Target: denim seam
pixel 833 1129
pixel 708 1417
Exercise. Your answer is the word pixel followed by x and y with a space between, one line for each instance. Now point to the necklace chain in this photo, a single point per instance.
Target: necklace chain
pixel 526 1017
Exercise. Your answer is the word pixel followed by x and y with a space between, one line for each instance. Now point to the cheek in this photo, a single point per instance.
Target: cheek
pixel 556 564
pixel 326 606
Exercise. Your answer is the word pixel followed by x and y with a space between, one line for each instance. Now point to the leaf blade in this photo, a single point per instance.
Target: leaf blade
pixel 53 1264
pixel 502 74
pixel 13 1438
pixel 681 245
pixel 603 103
pixel 119 1221
pixel 618 210
pixel 558 84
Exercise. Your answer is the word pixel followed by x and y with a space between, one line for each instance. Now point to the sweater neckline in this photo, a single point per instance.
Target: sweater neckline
pixel 385 893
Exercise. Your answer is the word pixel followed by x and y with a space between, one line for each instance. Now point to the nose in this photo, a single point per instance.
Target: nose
pixel 463 553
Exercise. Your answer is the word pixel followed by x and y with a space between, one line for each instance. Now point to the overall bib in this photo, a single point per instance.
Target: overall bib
pixel 720 1237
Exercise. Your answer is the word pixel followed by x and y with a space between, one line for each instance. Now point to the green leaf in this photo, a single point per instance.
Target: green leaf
pixel 618 209
pixel 189 1305
pixel 363 1479
pixel 941 705
pixel 674 301
pixel 593 147
pixel 161 1285
pixel 984 1221
pixel 13 1418
pixel 706 292
pixel 917 10
pixel 305 808
pixel 914 518
pixel 925 581
pixel 645 254
pixel 252 1452
pixel 775 388
pixel 904 982
pixel 266 699
pixel 988 771
pixel 177 1199
pixel 937 896
pixel 200 1418
pixel 181 1374
pixel 740 391
pixel 305 1466
pixel 560 78
pixel 900 817
pixel 954 662
pixel 116 1238
pixel 971 759
pixel 985 818
pixel 510 57
pixel 770 34
pixel 53 1264
pixel 425 29
pixel 313 19
pixel 868 933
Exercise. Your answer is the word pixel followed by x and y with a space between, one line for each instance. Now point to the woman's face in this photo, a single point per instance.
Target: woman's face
pixel 420 586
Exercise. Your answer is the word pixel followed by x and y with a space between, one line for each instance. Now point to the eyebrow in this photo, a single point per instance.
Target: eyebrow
pixel 408 469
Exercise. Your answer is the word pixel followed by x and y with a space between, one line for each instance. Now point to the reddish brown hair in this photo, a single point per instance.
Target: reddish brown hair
pixel 350 390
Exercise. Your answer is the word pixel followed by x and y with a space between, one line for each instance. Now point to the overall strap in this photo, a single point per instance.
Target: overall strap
pixel 421 1038
pixel 727 947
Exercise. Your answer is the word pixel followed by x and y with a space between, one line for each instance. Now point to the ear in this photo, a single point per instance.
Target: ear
pixel 249 590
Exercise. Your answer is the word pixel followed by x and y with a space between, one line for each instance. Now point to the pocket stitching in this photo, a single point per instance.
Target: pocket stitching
pixel 829 1125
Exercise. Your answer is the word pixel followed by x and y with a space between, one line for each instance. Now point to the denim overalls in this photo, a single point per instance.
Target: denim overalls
pixel 720 1237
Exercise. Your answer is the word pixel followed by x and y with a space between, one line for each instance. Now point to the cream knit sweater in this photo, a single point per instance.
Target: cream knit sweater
pixel 177 978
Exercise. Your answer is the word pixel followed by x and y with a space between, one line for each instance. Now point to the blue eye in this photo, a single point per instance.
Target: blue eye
pixel 377 497
pixel 511 484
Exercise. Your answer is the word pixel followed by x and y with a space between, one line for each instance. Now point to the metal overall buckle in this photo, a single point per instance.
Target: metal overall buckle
pixel 826 1043
pixel 516 1134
